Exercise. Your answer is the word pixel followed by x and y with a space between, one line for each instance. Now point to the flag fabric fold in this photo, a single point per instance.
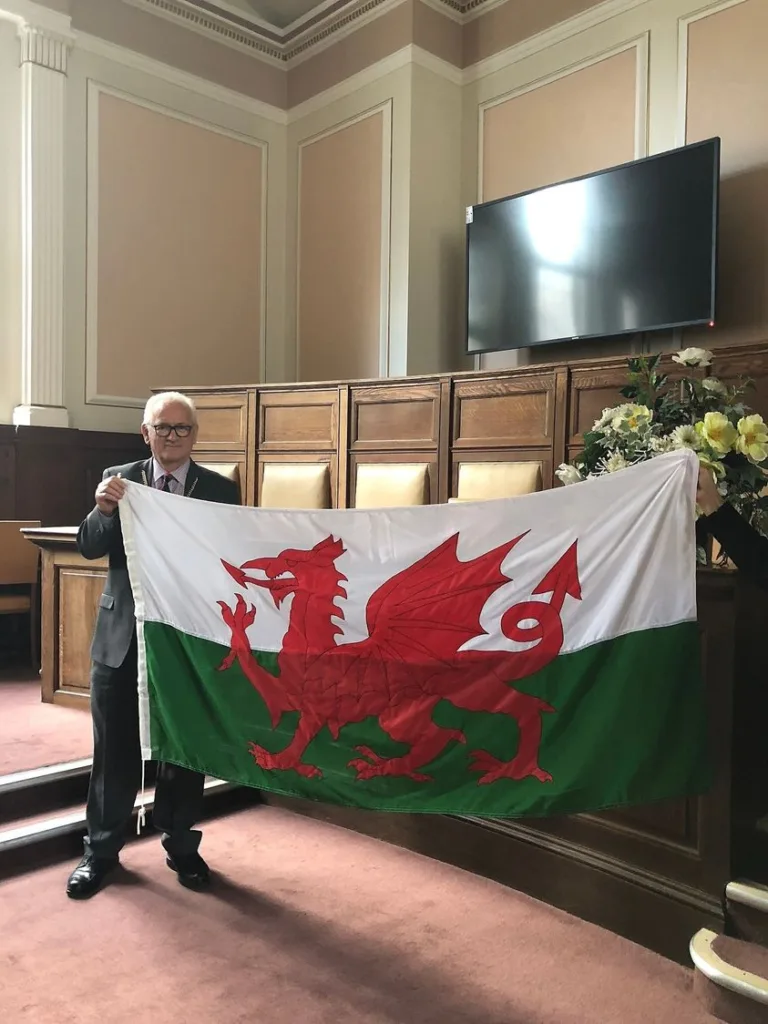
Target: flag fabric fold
pixel 527 656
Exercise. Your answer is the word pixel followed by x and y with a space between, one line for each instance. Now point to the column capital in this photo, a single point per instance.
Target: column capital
pixel 44 47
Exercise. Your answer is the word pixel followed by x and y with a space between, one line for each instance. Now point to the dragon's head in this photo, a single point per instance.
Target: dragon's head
pixel 292 570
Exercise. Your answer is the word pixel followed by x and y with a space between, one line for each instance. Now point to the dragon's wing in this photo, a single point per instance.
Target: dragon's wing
pixel 429 610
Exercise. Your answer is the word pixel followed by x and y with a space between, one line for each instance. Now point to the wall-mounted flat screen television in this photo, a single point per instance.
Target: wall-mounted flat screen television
pixel 627 250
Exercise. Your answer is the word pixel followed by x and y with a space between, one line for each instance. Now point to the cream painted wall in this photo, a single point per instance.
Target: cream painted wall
pixel 436 283
pixel 426 260
pixel 393 89
pixel 434 150
pixel 82 341
pixel 10 222
pixel 660 114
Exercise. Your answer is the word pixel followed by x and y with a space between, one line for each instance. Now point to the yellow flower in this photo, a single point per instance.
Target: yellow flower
pixel 718 431
pixel 753 438
pixel 632 417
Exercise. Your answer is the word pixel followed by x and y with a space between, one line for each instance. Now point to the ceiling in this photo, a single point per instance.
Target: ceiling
pixel 278 13
pixel 281 29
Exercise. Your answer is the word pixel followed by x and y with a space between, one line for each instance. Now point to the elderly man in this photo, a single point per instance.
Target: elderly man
pixel 170 430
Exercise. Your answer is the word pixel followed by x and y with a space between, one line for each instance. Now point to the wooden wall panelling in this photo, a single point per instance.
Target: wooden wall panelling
pixel 560 438
pixel 281 457
pixel 78 590
pixel 51 474
pixel 593 389
pixel 540 455
pixel 395 416
pixel 506 411
pixel 342 475
pixel 7 479
pixel 223 421
pixel 71 589
pixel 746 361
pixel 51 478
pixel 102 450
pixel 394 458
pixel 444 449
pixel 299 420
pixel 251 448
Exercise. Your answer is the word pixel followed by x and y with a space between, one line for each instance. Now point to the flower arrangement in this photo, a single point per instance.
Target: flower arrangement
pixel 697 412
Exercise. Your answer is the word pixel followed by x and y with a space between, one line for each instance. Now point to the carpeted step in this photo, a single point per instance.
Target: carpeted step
pixel 731 977
pixel 39 790
pixel 747 910
pixel 43 838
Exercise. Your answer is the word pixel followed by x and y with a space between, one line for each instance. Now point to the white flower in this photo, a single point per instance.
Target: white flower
pixel 693 357
pixel 661 445
pixel 606 418
pixel 568 474
pixel 714 386
pixel 614 463
pixel 686 437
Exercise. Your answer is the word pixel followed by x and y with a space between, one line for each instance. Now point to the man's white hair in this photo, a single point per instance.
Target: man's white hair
pixel 159 402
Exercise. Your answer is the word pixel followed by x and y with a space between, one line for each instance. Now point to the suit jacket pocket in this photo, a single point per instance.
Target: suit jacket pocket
pixel 107 601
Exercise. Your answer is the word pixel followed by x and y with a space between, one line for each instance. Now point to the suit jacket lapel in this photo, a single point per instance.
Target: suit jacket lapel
pixel 192 475
pixel 145 474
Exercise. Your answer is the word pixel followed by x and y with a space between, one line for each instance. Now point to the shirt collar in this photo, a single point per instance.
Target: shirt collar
pixel 179 474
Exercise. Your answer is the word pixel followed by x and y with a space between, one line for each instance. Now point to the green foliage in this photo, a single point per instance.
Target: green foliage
pixel 662 412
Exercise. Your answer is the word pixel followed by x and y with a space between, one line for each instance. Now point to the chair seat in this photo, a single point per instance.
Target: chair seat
pixel 15 604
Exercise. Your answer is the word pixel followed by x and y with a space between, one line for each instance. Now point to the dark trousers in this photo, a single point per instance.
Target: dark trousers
pixel 116 772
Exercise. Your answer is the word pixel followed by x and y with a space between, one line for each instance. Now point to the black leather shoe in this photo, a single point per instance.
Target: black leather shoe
pixel 89 876
pixel 191 868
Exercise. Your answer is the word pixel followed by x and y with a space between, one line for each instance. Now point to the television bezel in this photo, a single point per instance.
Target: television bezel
pixel 710 321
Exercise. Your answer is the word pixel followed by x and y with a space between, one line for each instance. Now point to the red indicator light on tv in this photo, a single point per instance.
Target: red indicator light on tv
pixel 711 323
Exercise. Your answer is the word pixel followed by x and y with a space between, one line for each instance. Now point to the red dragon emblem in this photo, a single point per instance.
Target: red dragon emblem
pixel 411 660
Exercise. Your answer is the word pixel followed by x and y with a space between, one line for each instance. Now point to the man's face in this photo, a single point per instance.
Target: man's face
pixel 169 446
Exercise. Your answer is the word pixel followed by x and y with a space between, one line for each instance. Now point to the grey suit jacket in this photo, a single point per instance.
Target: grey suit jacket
pixel 101 536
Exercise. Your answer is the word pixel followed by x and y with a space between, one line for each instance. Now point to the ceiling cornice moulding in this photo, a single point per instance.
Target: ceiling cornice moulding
pixel 220 21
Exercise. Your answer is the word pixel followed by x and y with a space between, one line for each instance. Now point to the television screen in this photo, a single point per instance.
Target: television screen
pixel 630 249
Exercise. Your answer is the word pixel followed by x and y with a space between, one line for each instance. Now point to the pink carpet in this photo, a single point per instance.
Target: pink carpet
pixel 311 924
pixel 33 734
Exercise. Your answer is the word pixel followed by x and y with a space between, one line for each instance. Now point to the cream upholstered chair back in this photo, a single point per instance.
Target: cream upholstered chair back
pixel 483 481
pixel 391 485
pixel 296 485
pixel 230 470
pixel 19 557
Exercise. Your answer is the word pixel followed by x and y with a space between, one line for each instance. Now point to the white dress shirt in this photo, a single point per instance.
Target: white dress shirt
pixel 178 479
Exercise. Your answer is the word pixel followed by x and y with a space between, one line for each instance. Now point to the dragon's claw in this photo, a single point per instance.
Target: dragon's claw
pixel 228 662
pixel 493 769
pixel 239 619
pixel 372 765
pixel 282 762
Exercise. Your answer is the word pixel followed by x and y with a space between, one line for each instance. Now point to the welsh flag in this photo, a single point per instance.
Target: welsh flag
pixel 530 656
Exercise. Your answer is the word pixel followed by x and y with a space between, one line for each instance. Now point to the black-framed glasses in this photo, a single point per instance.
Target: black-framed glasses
pixel 165 429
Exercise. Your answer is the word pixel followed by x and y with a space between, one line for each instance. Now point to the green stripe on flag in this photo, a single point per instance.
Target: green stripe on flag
pixel 629 727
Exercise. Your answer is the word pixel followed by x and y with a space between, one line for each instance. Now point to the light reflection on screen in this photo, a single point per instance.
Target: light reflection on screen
pixel 628 250
pixel 556 219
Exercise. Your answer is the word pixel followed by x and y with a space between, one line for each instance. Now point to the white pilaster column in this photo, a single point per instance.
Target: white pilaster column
pixel 43 71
